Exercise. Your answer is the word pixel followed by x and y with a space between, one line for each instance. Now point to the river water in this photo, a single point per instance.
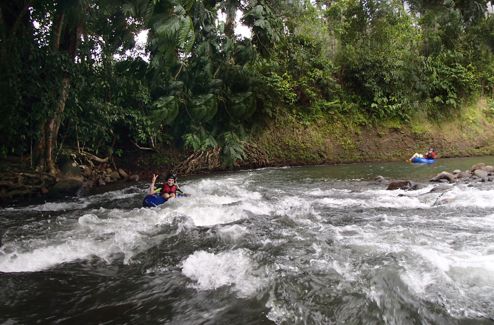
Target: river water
pixel 300 245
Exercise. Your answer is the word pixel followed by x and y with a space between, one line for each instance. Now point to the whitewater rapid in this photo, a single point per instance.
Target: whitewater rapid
pixel 303 250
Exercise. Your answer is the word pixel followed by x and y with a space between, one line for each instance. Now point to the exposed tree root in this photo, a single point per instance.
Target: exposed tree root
pixel 209 160
pixel 254 156
pixel 200 161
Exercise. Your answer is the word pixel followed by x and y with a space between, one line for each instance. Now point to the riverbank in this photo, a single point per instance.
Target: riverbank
pixel 286 140
pixel 334 139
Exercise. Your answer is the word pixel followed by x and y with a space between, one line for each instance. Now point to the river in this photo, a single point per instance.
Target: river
pixel 299 245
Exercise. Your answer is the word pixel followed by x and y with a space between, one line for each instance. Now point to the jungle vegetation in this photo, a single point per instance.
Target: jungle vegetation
pixel 72 74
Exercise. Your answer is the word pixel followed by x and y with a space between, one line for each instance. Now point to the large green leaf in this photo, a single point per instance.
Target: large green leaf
pixel 165 110
pixel 242 105
pixel 203 108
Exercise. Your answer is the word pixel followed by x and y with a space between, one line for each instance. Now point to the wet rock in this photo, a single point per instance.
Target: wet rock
pixel 134 178
pixel 86 171
pixel 477 166
pixel 122 173
pixel 489 169
pixel 115 176
pixel 380 179
pixel 88 184
pixel 67 186
pixel 443 176
pixel 482 174
pixel 86 187
pixel 71 168
pixel 465 174
pixel 401 185
pixel 108 179
pixel 108 170
pixel 101 182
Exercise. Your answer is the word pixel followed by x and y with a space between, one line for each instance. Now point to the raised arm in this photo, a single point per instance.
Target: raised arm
pixel 151 187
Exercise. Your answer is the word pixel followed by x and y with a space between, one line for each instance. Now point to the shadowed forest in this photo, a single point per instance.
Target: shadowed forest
pixel 74 78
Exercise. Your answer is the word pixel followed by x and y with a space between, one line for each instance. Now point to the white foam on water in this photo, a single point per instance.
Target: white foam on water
pixel 295 207
pixel 461 265
pixel 230 187
pixel 119 231
pixel 215 202
pixel 462 196
pixel 231 268
pixel 57 206
pixel 328 192
pixel 462 280
pixel 211 215
pixel 81 203
pixel 340 203
pixel 232 232
pixel 89 219
pixel 447 259
pixel 117 194
pixel 418 281
pixel 257 207
pixel 377 199
pixel 109 233
pixel 279 312
pixel 45 257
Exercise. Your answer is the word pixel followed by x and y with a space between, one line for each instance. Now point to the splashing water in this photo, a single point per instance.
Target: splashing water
pixel 285 246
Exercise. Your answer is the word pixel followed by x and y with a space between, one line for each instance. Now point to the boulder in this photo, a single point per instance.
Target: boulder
pixel 380 179
pixel 86 171
pixel 67 186
pixel 401 185
pixel 86 187
pixel 489 169
pixel 115 176
pixel 456 171
pixel 482 174
pixel 134 178
pixel 465 174
pixel 69 169
pixel 123 174
pixel 443 176
pixel 477 166
pixel 88 184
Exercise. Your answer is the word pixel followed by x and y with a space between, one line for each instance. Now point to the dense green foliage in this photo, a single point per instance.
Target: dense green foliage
pixel 72 72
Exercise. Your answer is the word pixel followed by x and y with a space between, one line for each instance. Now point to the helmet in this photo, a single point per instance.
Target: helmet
pixel 172 176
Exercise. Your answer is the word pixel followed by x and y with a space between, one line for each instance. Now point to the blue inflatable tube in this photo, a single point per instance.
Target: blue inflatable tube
pixel 153 200
pixel 423 161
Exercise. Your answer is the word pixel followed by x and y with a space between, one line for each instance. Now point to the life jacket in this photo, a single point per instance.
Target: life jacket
pixel 169 189
pixel 431 155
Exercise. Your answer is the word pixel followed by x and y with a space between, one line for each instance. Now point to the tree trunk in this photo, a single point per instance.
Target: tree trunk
pixel 64 40
pixel 230 21
pixel 53 125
